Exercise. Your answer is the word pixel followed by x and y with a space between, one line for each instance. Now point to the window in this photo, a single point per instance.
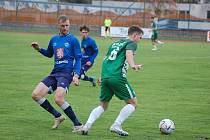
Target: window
pixel 187 1
pixel 208 14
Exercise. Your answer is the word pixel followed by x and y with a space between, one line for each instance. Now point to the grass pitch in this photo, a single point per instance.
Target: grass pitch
pixel 174 84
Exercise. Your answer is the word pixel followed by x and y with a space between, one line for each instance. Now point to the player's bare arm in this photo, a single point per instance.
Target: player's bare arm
pixel 130 59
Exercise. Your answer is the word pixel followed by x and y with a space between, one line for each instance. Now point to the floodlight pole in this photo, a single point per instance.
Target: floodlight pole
pixel 144 12
pixel 100 7
pixel 58 7
pixel 189 14
pixel 17 4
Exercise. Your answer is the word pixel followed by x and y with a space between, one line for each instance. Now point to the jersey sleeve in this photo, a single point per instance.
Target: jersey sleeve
pixel 49 51
pixel 95 51
pixel 131 46
pixel 77 56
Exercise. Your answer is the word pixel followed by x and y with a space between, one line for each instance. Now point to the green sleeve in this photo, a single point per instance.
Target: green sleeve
pixel 131 46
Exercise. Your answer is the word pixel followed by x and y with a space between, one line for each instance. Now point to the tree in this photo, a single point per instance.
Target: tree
pixel 162 7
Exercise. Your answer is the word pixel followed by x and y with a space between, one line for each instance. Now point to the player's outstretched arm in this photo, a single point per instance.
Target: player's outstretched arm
pixel 130 59
pixel 35 45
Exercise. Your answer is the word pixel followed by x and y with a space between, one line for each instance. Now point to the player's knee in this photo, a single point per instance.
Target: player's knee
pixel 133 102
pixel 35 96
pixel 104 105
pixel 59 101
pixel 105 108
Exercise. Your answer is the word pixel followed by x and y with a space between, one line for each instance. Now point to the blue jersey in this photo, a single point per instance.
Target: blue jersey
pixel 67 53
pixel 90 49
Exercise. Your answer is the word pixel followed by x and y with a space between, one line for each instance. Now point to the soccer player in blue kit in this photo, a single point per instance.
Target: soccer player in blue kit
pixel 67 65
pixel 89 53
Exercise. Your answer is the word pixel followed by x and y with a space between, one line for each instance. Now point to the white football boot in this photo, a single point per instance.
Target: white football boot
pixel 118 129
pixel 58 121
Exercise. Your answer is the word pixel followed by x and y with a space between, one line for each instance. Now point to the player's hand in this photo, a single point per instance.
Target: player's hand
pixel 88 63
pixel 35 45
pixel 137 67
pixel 76 80
pixel 99 81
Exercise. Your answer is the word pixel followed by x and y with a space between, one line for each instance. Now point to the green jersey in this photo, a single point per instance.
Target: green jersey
pixel 154 26
pixel 115 64
pixel 154 30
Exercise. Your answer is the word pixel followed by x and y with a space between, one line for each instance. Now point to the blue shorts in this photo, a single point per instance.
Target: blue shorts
pixel 59 79
pixel 84 66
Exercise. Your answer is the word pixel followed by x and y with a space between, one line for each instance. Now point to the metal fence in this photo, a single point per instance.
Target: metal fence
pixel 32 16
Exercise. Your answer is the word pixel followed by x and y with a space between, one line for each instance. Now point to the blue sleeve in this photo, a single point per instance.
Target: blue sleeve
pixel 95 51
pixel 78 56
pixel 49 51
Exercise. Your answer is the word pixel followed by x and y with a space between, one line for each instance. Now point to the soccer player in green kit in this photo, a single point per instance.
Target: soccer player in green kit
pixel 154 37
pixel 113 80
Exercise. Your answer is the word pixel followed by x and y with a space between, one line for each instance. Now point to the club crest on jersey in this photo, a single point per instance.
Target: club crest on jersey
pixel 66 44
pixel 84 46
pixel 60 52
pixel 54 44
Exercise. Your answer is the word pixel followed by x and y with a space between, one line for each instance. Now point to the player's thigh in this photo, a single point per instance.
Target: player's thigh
pixel 155 36
pixel 106 91
pixel 86 67
pixel 122 89
pixel 51 82
pixel 40 90
pixel 60 93
pixel 152 38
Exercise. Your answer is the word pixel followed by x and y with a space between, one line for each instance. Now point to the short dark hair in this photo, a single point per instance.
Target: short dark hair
pixel 152 17
pixel 135 29
pixel 63 18
pixel 84 27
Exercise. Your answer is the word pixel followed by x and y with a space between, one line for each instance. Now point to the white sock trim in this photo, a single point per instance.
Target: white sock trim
pixel 65 105
pixel 41 101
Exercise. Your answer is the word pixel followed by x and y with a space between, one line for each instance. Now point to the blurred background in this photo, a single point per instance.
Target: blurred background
pixel 178 19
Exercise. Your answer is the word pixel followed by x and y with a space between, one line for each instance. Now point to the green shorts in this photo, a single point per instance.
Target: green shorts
pixel 154 36
pixel 118 87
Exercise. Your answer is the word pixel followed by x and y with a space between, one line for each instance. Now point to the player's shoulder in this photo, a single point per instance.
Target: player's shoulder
pixel 72 37
pixel 127 41
pixel 90 40
pixel 130 44
pixel 55 36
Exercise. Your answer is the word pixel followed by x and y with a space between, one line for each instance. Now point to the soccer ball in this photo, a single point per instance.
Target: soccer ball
pixel 166 126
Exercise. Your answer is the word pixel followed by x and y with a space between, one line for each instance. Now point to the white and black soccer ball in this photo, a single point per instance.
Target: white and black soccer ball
pixel 166 126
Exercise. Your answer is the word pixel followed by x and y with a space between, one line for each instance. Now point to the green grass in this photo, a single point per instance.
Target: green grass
pixel 174 84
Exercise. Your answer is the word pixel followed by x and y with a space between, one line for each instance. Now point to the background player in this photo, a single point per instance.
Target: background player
pixel 89 53
pixel 154 38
